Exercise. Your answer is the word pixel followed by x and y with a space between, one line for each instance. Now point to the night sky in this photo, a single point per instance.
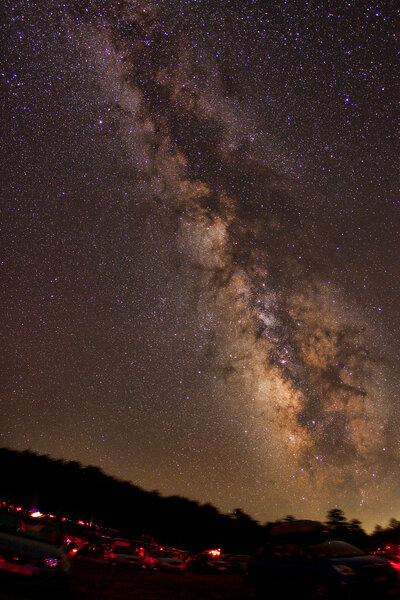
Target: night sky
pixel 199 248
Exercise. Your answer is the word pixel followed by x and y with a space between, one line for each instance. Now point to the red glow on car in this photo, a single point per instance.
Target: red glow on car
pixel 123 543
pixel 396 565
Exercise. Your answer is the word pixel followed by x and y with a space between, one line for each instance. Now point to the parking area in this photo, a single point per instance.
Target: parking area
pixel 95 580
pixel 92 580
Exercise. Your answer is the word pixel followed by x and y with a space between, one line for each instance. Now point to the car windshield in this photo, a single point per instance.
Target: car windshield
pixel 335 549
pixel 122 550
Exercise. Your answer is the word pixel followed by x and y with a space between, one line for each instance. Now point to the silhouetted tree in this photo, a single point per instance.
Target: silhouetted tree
pixel 288 519
pixel 337 523
pixel 356 534
pixel 387 535
pixel 336 518
pixel 394 524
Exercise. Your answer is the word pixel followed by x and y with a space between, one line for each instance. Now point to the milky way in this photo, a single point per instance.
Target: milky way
pixel 200 258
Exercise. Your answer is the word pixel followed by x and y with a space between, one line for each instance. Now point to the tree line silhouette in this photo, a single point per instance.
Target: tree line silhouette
pixel 68 489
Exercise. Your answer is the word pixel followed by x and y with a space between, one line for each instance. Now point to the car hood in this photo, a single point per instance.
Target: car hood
pixel 359 562
pixel 170 561
pixel 25 545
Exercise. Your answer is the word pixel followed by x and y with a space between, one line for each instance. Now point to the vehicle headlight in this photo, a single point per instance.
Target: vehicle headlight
pixel 344 569
pixel 52 562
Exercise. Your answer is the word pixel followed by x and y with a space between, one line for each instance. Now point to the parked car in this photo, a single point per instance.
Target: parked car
pixel 237 563
pixel 124 555
pixel 392 553
pixel 204 563
pixel 310 567
pixel 167 561
pixel 32 554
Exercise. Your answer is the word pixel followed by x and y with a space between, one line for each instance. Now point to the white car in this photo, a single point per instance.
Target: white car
pixel 123 555
pixel 32 553
pixel 167 561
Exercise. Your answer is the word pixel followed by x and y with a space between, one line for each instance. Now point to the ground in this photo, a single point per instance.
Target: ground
pixel 99 582
pixel 93 580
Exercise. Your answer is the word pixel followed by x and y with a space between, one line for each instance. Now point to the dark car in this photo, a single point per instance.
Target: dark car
pixel 204 563
pixel 237 563
pixel 311 568
pixel 32 555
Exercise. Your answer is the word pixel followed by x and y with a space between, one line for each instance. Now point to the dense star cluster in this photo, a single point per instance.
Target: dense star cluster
pixel 200 248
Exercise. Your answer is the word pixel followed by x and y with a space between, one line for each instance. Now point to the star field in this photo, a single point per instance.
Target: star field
pixel 200 248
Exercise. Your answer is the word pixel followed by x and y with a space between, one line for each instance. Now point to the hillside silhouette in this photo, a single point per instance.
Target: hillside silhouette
pixel 68 489
pixel 85 493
